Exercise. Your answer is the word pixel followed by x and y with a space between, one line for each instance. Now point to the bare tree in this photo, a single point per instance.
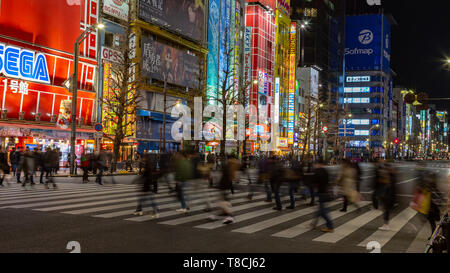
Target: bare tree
pixel 121 102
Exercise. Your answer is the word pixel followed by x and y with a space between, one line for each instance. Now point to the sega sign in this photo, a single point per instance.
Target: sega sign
pixel 23 64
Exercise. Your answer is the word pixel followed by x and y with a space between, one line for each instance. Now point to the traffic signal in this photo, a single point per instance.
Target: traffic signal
pixel 396 141
pixel 325 129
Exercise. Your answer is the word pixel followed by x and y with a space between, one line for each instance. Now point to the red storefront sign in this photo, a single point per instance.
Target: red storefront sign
pixel 50 28
pixel 31 98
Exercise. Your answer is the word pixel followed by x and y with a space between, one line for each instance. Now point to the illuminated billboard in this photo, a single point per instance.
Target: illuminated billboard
pixel 184 17
pixel 161 61
pixel 292 66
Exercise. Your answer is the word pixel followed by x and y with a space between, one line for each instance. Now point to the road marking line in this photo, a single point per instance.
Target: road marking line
pixel 109 201
pixel 204 216
pixel 396 224
pixel 160 207
pixel 348 228
pixel 196 208
pixel 56 193
pixel 239 218
pixel 306 226
pixel 280 219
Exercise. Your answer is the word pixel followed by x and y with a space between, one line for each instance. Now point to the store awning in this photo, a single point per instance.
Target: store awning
pixel 43 127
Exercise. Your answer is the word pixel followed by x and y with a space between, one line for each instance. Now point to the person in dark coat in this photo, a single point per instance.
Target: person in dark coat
pixel 321 179
pixel 28 166
pixel 17 162
pixel 12 160
pixel 4 166
pixel 148 180
pixel 276 178
pixel 38 155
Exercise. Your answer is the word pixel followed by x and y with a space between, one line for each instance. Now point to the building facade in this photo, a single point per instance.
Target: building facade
pixel 368 90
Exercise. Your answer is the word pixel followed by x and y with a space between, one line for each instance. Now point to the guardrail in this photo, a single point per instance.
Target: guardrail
pixel 440 240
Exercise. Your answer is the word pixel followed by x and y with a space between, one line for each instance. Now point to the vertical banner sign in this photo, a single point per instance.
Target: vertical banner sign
pixel 277 100
pixel 222 41
pixel 237 42
pixel 213 47
pixel 292 57
pixel 248 59
pixel 231 14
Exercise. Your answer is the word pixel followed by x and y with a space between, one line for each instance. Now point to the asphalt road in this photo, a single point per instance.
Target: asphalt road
pixel 100 219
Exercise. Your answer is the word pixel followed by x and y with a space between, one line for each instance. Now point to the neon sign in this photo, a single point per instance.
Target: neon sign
pixel 359 79
pixel 23 64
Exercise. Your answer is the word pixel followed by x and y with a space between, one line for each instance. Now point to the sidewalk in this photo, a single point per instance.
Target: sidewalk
pixel 65 172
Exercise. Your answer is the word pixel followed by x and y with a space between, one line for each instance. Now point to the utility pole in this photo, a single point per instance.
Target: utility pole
pixel 164 115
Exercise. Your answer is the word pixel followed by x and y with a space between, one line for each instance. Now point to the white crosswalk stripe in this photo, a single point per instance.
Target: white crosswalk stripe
pixel 118 202
pixel 348 228
pixel 306 226
pixel 396 224
pixel 279 220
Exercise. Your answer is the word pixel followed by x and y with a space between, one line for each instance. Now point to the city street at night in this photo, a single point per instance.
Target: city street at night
pixel 225 135
pixel 35 220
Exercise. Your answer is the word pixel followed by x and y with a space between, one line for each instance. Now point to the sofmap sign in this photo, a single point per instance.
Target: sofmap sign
pixel 367 45
pixel 23 64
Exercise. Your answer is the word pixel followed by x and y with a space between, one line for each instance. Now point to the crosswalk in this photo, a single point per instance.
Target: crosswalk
pixel 252 217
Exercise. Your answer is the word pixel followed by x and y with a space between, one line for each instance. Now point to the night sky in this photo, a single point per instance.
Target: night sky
pixel 420 44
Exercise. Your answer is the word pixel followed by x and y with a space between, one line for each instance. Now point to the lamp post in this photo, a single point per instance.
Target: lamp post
pixel 74 87
pixel 370 139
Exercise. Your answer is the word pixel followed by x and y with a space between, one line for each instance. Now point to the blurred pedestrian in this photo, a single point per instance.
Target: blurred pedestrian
pixel 12 160
pixel 40 163
pixel 264 177
pixel 204 169
pixel 321 180
pixel 428 200
pixel 276 178
pixel 18 159
pixel 100 165
pixel 85 167
pixel 384 190
pixel 50 158
pixel 4 166
pixel 28 166
pixel 57 159
pixel 229 175
pixel 148 180
pixel 295 174
pixel 347 181
pixel 183 172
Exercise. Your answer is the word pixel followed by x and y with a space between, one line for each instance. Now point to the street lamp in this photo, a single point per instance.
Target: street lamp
pixel 74 87
pixel 370 138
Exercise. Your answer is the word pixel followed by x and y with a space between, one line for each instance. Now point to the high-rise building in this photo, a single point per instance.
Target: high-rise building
pixel 261 27
pixel 368 88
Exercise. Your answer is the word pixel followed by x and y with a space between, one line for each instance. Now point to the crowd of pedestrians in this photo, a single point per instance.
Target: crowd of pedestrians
pixel 300 180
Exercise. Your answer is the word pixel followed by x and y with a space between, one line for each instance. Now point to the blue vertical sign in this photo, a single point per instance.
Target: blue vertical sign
pixel 386 45
pixel 213 48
